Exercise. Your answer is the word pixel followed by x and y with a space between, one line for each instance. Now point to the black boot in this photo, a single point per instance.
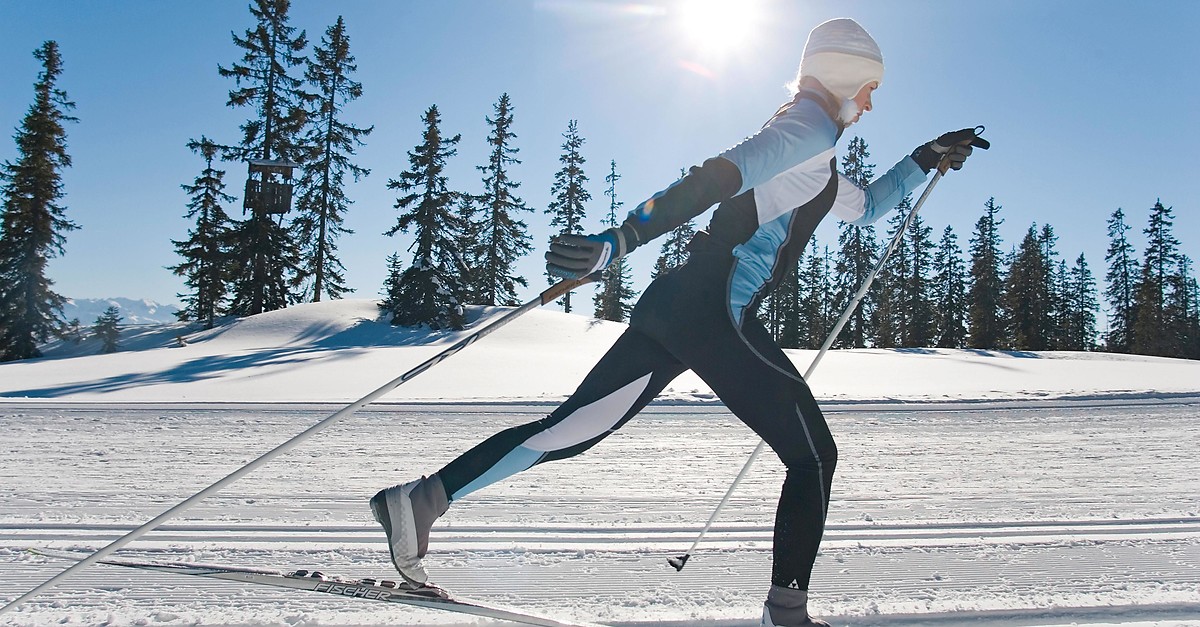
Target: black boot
pixel 788 607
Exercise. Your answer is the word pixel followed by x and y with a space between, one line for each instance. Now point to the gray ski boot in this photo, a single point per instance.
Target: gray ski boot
pixel 788 607
pixel 407 512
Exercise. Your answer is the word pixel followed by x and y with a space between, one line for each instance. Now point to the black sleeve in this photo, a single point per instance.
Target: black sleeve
pixel 716 180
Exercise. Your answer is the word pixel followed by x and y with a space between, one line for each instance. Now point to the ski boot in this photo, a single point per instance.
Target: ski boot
pixel 407 512
pixel 787 607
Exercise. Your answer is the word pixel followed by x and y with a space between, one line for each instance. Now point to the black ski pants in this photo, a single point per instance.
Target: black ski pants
pixel 683 322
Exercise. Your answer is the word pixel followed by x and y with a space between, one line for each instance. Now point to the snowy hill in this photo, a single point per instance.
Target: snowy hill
pixel 143 311
pixel 340 351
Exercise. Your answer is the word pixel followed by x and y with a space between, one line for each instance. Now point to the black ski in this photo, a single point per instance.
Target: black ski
pixel 314 581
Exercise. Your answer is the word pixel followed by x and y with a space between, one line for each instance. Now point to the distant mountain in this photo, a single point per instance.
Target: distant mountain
pixel 132 311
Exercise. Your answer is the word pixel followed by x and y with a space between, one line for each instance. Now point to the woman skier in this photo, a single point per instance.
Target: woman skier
pixel 773 188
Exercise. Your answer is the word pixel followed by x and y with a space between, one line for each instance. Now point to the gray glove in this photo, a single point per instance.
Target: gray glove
pixel 576 256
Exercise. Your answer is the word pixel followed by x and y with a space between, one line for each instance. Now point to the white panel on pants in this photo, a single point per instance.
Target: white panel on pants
pixel 589 421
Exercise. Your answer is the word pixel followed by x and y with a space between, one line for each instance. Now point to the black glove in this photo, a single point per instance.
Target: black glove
pixel 576 256
pixel 951 149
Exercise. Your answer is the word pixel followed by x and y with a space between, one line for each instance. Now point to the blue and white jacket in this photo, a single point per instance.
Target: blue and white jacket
pixel 774 188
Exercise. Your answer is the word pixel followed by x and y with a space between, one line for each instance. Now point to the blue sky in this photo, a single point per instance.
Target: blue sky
pixel 1090 106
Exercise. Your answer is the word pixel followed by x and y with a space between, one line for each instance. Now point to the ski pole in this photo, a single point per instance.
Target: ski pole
pixel 679 562
pixel 545 297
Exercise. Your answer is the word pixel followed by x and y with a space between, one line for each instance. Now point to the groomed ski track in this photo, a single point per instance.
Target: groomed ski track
pixel 919 563
pixel 979 514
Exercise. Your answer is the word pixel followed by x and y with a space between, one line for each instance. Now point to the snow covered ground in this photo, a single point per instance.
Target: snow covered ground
pixel 338 351
pixel 973 488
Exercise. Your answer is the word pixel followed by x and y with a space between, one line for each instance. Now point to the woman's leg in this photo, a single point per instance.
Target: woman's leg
pixel 623 382
pixel 759 384
pixel 628 377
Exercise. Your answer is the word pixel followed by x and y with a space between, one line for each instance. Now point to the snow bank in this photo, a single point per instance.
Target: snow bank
pixel 340 351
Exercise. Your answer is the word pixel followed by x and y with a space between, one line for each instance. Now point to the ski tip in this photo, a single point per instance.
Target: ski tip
pixel 679 562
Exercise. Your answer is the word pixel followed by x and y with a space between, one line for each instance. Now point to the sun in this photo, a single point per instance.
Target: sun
pixel 714 28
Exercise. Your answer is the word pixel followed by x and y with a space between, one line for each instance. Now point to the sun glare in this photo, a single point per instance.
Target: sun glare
pixel 717 27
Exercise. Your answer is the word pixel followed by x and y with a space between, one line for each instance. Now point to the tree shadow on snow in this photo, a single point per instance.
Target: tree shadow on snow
pixel 915 351
pixel 198 369
pixel 974 351
pixel 993 353
pixel 315 343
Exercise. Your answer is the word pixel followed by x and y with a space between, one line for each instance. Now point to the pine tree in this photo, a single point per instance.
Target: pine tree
pixel 1055 272
pixel 263 257
pixel 786 298
pixel 430 290
pixel 107 330
pixel 1026 295
pixel 73 332
pixel 1149 316
pixel 855 166
pixel 1121 277
pixel 330 142
pixel 829 315
pixel 771 309
pixel 393 294
pixel 1151 323
pixel 614 298
pixel 918 312
pixel 272 50
pixel 813 305
pixel 985 328
pixel 32 221
pixel 892 318
pixel 674 251
pixel 1060 305
pixel 1193 351
pixel 205 265
pixel 567 209
pixel 949 292
pixel 502 237
pixel 266 256
pixel 1081 307
pixel 1193 319
pixel 1183 307
pixel 857 255
pixel 884 331
pixel 467 241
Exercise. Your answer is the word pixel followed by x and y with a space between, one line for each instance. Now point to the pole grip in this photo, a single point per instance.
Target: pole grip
pixel 559 289
pixel 976 142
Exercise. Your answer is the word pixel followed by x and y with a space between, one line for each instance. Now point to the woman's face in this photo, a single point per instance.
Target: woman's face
pixel 863 99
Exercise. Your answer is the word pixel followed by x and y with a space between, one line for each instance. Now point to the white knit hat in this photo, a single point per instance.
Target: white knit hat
pixel 842 56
